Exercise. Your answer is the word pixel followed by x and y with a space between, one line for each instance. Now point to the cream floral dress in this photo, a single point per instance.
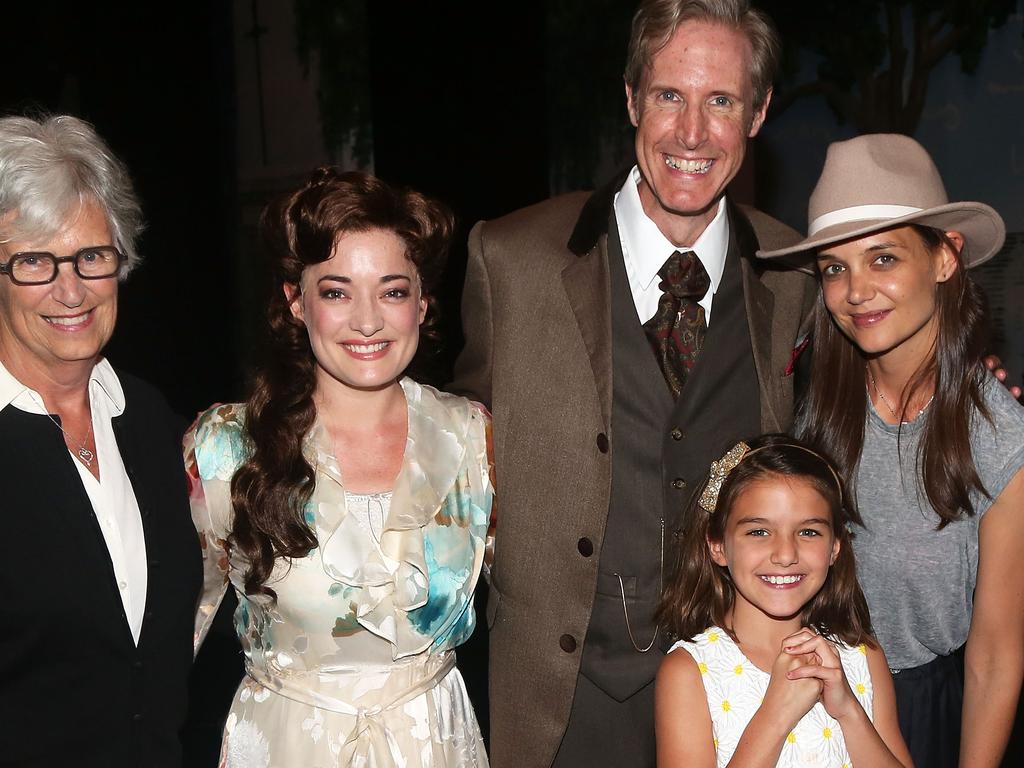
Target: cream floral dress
pixel 735 689
pixel 354 663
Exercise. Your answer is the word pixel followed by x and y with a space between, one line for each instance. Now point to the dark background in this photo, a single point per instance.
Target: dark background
pixel 487 112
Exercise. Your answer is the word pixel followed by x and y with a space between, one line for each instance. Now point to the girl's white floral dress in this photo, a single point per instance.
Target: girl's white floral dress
pixel 735 689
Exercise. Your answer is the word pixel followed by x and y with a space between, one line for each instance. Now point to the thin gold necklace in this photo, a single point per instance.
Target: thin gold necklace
pixel 888 405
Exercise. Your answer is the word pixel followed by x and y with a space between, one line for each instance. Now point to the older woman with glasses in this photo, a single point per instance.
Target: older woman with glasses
pixel 101 570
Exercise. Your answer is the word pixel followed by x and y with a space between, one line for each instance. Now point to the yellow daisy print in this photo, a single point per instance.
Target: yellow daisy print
pixel 735 689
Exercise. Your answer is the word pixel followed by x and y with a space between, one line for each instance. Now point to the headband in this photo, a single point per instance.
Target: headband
pixel 720 470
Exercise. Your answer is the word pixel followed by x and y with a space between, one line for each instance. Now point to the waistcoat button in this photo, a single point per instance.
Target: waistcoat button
pixel 585 546
pixel 567 643
pixel 602 442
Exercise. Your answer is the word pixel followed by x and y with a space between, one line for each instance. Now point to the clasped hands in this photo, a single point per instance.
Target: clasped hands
pixel 806 671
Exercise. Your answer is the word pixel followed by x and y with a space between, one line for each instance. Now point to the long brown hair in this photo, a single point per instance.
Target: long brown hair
pixel 270 490
pixel 832 414
pixel 701 593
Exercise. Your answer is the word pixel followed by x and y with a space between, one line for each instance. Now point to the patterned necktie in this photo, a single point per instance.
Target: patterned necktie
pixel 676 331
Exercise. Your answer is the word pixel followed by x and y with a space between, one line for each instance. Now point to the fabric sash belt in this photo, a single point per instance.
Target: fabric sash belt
pixel 370 742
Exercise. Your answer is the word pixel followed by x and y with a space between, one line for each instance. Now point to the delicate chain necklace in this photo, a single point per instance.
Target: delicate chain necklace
pixel 84 453
pixel 625 611
pixel 888 405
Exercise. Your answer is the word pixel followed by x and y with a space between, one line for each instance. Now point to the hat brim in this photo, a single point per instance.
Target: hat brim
pixel 982 228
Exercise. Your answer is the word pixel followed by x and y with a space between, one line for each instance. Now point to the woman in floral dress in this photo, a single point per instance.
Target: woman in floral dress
pixel 347 505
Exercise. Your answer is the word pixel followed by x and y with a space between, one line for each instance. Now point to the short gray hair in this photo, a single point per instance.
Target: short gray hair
pixel 656 21
pixel 52 165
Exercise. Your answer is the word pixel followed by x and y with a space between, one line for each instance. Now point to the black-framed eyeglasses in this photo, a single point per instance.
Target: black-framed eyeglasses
pixel 30 268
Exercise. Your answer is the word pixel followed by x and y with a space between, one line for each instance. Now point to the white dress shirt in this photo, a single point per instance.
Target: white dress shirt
pixel 645 249
pixel 112 497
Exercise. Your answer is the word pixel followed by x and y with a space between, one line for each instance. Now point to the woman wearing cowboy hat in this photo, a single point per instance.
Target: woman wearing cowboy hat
pixel 900 398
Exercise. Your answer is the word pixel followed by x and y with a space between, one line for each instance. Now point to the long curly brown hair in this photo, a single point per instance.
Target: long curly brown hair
pixel 270 490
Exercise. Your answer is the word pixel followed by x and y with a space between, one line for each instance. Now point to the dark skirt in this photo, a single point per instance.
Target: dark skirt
pixel 929 704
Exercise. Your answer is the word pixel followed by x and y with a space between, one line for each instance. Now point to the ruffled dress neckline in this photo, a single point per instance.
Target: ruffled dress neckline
pixel 392 575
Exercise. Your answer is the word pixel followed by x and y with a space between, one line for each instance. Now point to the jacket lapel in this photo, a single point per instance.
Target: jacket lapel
pixel 760 302
pixel 587 286
pixel 760 305
pixel 585 280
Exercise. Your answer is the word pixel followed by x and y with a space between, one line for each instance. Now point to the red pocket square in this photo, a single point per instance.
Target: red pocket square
pixel 795 355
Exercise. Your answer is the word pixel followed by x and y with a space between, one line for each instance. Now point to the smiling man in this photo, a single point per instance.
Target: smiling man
pixel 623 340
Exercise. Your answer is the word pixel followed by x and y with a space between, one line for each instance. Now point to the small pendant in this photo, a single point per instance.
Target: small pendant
pixel 86 455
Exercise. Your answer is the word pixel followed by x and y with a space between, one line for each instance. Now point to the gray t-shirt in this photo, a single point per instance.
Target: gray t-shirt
pixel 919 582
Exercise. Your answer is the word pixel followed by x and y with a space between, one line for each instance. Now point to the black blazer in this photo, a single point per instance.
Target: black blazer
pixel 74 689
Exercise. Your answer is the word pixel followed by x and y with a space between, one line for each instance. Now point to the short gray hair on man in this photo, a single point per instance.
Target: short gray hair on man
pixel 52 165
pixel 656 21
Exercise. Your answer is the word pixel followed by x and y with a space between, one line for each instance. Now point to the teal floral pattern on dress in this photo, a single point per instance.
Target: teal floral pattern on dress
pixel 309 514
pixel 364 617
pixel 464 510
pixel 221 442
pixel 445 607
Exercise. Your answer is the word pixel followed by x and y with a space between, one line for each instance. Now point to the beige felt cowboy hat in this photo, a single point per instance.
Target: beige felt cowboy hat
pixel 885 180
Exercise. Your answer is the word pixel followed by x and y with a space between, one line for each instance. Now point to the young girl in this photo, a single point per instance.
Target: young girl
pixel 776 665
pixel 932 444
